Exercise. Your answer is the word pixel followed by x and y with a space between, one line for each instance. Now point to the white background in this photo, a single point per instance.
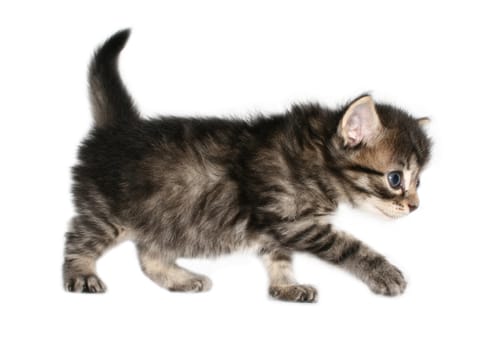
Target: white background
pixel 209 57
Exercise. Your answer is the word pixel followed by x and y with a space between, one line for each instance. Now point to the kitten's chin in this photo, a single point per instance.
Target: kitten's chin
pixel 375 207
pixel 390 216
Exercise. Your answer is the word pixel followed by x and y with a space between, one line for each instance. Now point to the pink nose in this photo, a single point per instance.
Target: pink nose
pixel 412 207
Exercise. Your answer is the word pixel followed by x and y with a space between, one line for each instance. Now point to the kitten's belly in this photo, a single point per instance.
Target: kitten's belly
pixel 193 240
pixel 212 244
pixel 201 218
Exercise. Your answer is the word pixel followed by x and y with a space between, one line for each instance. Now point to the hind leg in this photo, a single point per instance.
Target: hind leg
pixel 167 274
pixel 87 239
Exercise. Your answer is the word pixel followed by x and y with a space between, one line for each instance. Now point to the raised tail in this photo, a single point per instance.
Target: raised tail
pixel 111 102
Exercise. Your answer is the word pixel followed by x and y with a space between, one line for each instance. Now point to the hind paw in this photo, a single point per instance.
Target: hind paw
pixel 195 284
pixel 85 284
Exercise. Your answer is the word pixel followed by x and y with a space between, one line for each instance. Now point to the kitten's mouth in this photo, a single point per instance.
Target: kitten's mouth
pixel 388 215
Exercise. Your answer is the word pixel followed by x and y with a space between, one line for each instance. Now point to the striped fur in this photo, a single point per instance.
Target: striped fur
pixel 190 187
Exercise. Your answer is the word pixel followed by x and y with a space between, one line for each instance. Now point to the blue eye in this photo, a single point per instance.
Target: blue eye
pixel 394 178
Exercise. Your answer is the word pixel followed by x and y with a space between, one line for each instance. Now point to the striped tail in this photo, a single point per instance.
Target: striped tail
pixel 110 100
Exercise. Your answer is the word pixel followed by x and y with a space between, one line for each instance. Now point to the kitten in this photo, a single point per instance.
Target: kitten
pixel 191 187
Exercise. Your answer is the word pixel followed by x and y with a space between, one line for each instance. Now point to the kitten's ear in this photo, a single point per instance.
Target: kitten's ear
pixel 360 123
pixel 424 121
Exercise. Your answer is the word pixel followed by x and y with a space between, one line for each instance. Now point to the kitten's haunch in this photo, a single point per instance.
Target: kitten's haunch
pixel 190 187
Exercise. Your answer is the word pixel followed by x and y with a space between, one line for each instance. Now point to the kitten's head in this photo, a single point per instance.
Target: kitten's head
pixel 386 150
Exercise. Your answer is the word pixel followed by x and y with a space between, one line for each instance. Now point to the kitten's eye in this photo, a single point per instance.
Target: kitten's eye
pixel 418 183
pixel 394 178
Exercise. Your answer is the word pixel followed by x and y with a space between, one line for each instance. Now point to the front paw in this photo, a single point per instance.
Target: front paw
pixel 386 279
pixel 302 293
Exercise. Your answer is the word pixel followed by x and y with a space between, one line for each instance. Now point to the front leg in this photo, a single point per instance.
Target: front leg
pixel 341 249
pixel 282 284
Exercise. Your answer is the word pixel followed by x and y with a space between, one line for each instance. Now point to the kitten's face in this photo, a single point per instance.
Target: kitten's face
pixel 393 193
pixel 388 149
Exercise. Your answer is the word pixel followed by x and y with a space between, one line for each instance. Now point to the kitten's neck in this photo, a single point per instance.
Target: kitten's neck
pixel 324 151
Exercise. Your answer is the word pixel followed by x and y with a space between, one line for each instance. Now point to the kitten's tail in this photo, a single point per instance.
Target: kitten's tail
pixel 111 102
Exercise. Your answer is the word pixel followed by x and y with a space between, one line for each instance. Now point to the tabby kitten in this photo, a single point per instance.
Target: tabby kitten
pixel 191 187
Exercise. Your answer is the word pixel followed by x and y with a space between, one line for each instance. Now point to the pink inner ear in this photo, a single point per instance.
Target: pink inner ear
pixel 360 123
pixel 354 133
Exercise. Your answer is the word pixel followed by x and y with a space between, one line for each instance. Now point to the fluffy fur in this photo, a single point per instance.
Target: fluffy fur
pixel 190 187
